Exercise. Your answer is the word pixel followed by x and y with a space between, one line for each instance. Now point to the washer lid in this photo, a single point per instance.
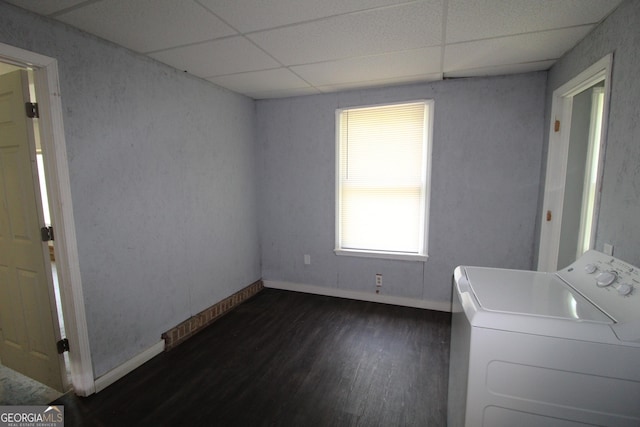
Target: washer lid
pixel 530 293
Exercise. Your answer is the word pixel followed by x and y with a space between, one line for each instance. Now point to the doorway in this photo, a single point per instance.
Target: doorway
pixel 45 77
pixel 574 167
pixel 29 316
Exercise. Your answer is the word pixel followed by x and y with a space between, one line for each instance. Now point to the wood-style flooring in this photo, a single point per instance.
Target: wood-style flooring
pixel 289 359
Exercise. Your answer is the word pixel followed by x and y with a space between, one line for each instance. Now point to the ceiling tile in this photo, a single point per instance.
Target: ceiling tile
pixel 257 81
pixel 218 57
pixel 284 93
pixel 500 70
pixel 403 27
pixel 390 66
pixel 275 81
pixel 251 15
pixel 274 48
pixel 379 83
pixel 479 19
pixel 148 25
pixel 45 7
pixel 513 49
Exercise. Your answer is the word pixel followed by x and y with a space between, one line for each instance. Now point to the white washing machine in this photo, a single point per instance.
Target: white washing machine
pixel 546 349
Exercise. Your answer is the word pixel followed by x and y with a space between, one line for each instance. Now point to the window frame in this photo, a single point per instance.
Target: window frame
pixel 426 196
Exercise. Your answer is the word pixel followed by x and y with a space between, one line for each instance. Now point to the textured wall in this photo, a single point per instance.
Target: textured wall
pixel 163 186
pixel 486 160
pixel 619 220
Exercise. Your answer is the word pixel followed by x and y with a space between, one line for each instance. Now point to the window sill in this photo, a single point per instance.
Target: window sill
pixel 381 255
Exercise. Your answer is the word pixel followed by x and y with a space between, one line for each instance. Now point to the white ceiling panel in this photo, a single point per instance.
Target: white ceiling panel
pixel 218 57
pixel 275 48
pixel 479 19
pixel 500 70
pixel 46 7
pixel 513 49
pixel 258 81
pixel 422 78
pixel 148 25
pixel 372 68
pixel 283 93
pixel 403 27
pixel 250 15
pixel 266 82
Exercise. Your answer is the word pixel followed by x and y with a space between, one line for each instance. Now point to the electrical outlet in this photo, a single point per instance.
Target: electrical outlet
pixel 608 249
pixel 307 260
pixel 378 280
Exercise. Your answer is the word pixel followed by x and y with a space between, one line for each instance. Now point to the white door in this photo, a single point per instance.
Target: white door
pixel 28 318
pixel 574 167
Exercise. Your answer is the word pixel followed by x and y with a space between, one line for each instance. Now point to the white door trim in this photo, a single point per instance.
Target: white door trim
pixel 557 154
pixel 59 192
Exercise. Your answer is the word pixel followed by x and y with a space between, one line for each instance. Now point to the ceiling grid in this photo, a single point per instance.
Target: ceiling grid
pixel 277 48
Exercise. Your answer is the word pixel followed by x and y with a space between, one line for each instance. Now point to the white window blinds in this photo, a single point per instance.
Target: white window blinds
pixel 382 178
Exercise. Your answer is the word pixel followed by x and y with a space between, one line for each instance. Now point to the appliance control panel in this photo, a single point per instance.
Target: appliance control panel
pixel 611 284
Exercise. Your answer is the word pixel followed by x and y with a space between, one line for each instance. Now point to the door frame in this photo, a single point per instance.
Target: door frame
pixel 59 192
pixel 557 156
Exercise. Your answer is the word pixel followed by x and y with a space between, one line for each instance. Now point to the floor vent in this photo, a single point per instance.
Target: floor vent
pixel 191 326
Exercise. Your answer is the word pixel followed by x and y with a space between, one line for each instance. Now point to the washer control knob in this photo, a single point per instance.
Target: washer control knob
pixel 606 278
pixel 625 289
pixel 590 268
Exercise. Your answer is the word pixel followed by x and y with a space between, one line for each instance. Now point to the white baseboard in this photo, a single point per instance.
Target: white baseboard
pixel 361 296
pixel 120 371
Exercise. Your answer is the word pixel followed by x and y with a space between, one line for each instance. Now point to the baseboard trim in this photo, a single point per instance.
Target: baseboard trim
pixel 179 333
pixel 120 371
pixel 361 296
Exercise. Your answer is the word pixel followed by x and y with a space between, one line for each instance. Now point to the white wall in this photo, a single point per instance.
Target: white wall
pixel 487 146
pixel 619 221
pixel 162 180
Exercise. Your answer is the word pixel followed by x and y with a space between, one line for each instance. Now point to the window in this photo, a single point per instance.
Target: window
pixel 382 186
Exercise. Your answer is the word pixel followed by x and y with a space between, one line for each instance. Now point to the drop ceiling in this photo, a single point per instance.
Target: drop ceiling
pixel 277 48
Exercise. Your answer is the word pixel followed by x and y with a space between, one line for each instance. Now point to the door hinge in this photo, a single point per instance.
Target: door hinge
pixel 63 345
pixel 32 110
pixel 548 216
pixel 46 233
pixel 556 126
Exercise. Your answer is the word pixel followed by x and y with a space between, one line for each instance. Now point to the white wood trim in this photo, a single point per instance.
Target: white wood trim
pixel 135 362
pixel 426 196
pixel 381 255
pixel 59 193
pixel 554 185
pixel 360 296
pixel 557 153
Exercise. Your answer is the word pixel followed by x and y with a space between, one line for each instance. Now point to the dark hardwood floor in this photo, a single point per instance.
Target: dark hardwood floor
pixel 289 359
